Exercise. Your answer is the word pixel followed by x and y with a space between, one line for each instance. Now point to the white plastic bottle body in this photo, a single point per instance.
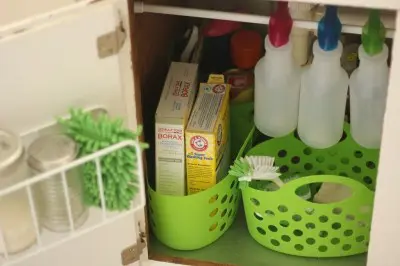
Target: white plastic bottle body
pixel 277 87
pixel 368 91
pixel 323 94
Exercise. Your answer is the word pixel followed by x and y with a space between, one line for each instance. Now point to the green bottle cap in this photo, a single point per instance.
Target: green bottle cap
pixel 373 34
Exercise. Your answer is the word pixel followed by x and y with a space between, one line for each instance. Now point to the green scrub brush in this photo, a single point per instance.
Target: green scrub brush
pixel 118 168
pixel 261 168
pixel 255 168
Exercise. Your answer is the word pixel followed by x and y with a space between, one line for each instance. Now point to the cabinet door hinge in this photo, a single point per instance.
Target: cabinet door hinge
pixel 111 42
pixel 132 253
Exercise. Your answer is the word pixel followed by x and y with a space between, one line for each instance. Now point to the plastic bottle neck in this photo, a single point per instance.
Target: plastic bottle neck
pixel 374 63
pixel 282 54
pixel 327 59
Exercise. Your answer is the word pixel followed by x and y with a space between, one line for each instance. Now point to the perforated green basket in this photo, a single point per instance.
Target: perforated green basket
pixel 194 221
pixel 282 221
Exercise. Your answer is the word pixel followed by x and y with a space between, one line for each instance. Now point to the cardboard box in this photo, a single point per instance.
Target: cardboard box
pixel 171 118
pixel 207 136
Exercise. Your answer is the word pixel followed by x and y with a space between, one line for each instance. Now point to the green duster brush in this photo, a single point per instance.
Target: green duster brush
pixel 118 168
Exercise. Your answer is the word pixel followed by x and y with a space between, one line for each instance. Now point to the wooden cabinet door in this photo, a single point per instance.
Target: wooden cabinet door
pixel 76 56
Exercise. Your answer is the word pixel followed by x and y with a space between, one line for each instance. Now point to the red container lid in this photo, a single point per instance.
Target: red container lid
pixel 218 28
pixel 246 48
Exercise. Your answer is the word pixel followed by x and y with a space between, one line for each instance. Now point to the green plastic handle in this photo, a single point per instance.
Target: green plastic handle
pixel 289 189
pixel 247 144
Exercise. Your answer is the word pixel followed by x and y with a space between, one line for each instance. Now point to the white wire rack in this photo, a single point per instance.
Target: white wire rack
pixel 106 217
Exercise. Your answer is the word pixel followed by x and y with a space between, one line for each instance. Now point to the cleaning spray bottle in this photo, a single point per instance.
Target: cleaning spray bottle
pixel 277 79
pixel 369 83
pixel 324 87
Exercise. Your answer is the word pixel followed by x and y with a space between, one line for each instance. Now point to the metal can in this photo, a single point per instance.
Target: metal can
pixel 242 85
pixel 17 228
pixel 49 152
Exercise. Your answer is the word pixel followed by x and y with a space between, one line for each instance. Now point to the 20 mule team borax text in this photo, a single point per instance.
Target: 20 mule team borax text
pixel 171 118
pixel 165 133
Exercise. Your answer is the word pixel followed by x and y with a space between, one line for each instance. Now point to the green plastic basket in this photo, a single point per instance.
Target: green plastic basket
pixel 282 221
pixel 194 221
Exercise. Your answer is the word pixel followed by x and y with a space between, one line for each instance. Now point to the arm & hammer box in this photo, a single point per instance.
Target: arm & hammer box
pixel 207 136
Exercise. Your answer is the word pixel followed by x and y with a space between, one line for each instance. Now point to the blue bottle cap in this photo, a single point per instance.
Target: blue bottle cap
pixel 329 29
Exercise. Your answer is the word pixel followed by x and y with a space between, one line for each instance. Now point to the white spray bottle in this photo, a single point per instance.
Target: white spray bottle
pixel 368 85
pixel 277 79
pixel 324 87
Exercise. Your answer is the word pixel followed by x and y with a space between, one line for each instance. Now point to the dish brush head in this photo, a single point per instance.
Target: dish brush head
pixel 255 168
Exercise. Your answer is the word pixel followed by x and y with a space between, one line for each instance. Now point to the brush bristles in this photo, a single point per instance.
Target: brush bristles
pixel 256 168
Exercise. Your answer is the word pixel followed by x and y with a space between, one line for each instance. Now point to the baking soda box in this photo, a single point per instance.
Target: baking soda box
pixel 171 118
pixel 207 136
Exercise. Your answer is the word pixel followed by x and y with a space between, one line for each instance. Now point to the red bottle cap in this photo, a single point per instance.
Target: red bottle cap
pixel 280 25
pixel 246 48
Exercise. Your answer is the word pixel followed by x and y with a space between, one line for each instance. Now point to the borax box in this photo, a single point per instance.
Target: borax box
pixel 171 118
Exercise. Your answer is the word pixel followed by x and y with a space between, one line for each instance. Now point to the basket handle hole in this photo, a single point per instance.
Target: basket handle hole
pixel 331 192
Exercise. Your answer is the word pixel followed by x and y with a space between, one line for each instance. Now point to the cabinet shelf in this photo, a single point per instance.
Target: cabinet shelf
pixel 387 4
pixel 352 19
